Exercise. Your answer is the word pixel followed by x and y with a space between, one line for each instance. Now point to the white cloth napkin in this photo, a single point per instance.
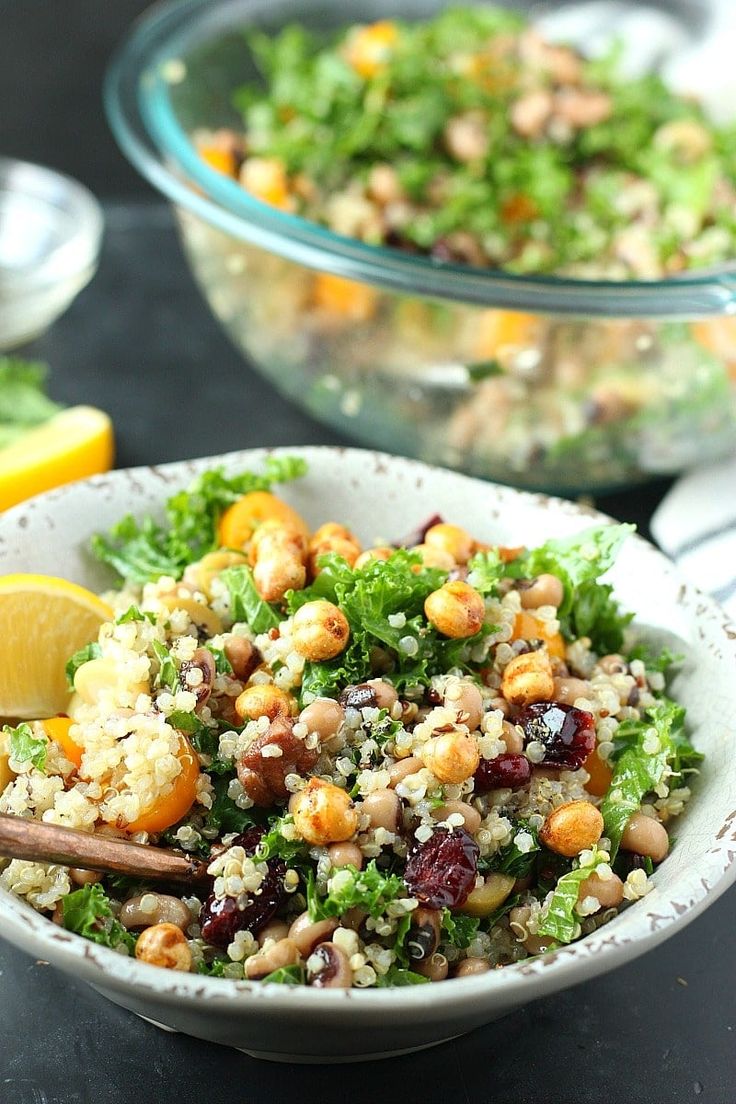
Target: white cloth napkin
pixel 695 525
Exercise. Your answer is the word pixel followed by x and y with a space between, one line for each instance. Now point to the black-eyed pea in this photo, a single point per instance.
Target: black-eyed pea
pixel 274 930
pixel 471 817
pixel 572 828
pixel 383 808
pixel 401 770
pixel 149 909
pixel 470 967
pixel 82 877
pixel 609 892
pixel 345 854
pixel 328 967
pixel 568 690
pixel 323 716
pixel 538 944
pixel 436 967
pixel 464 695
pixel 320 630
pixel 164 945
pixel 645 836
pixel 513 738
pixel 242 656
pixel 424 934
pixel 545 590
pixel 307 933
pixel 260 965
pixel 527 678
pixel 456 610
pixel 485 899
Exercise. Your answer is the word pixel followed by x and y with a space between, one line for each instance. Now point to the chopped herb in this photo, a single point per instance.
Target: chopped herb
pixel 134 614
pixel 246 603
pixel 287 975
pixel 348 888
pixel 25 746
pixel 399 976
pixel 89 651
pixel 223 666
pixel 459 930
pixel 168 674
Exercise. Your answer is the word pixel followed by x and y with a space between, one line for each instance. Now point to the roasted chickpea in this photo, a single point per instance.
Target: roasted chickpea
pixel 434 557
pixel 456 542
pixel 528 678
pixel 320 630
pixel 645 836
pixel 277 554
pixel 335 538
pixel 382 552
pixel 164 945
pixel 451 756
pixel 323 813
pixel 456 610
pixel 545 590
pixel 572 828
pixel 263 700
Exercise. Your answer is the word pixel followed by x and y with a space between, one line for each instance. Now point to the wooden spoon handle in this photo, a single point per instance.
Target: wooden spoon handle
pixel 28 839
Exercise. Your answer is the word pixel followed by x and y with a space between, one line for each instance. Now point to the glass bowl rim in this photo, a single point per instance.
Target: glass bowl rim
pixel 142 117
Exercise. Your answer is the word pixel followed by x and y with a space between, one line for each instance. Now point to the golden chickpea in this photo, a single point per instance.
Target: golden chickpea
pixel 456 610
pixel 164 945
pixel 331 530
pixel 645 836
pixel 571 828
pixel 323 716
pixel 451 756
pixel 528 678
pixel 609 892
pixel 277 553
pixel 453 540
pixel 434 557
pixel 320 630
pixel 545 590
pixel 382 552
pixel 323 813
pixel 334 538
pixel 263 700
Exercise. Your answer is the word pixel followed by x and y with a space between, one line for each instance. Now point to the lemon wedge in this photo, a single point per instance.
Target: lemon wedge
pixel 43 621
pixel 71 445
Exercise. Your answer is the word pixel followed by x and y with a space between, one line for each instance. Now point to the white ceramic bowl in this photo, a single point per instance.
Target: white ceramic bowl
pixel 379 495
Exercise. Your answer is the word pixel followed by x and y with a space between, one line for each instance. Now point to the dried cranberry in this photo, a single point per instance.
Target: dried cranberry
pixel 417 535
pixel 568 734
pixel 220 918
pixel 441 872
pixel 504 772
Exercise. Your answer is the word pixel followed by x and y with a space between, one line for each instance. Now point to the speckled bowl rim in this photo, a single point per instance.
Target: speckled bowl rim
pixel 592 955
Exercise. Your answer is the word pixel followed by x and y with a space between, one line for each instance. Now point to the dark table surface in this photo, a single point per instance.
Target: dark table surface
pixel 140 343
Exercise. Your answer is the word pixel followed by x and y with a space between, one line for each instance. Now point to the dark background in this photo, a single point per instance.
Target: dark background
pixel 140 343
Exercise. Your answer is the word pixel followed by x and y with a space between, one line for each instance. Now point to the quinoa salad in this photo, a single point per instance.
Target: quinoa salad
pixel 473 139
pixel 420 759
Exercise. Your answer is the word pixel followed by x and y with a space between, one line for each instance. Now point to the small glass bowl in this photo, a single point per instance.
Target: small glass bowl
pixel 50 233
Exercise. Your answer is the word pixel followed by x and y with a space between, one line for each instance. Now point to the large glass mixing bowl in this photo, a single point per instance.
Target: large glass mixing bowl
pixel 555 383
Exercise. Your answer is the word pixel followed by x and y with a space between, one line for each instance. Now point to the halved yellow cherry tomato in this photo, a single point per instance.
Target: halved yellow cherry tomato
pixel 57 729
pixel 529 627
pixel 178 802
pixel 240 520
